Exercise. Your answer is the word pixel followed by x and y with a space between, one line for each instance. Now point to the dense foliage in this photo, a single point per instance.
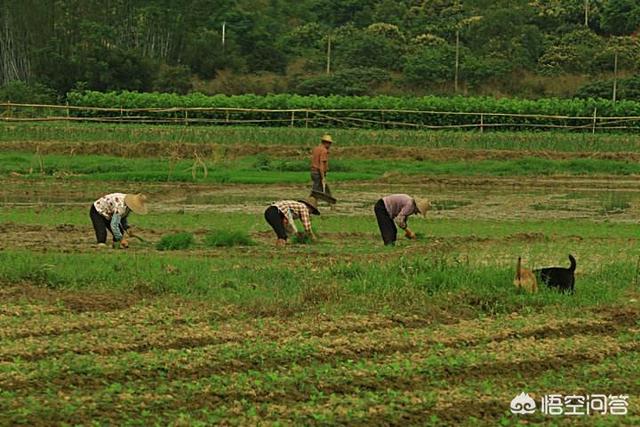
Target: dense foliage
pixel 361 111
pixel 529 48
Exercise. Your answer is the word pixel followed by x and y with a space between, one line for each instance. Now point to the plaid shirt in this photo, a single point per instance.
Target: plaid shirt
pixel 295 210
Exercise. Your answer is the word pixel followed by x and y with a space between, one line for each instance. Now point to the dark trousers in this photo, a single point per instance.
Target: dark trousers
pixel 275 218
pixel 316 183
pixel 100 225
pixel 388 228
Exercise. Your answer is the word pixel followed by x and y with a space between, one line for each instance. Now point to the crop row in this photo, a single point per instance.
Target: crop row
pixel 193 352
pixel 388 380
pixel 365 112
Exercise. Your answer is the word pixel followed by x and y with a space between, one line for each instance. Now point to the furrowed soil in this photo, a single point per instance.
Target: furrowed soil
pixel 339 332
pixel 591 199
pixel 86 358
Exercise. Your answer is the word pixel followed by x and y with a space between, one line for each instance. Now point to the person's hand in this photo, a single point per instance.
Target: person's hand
pixel 124 244
pixel 409 234
pixel 281 242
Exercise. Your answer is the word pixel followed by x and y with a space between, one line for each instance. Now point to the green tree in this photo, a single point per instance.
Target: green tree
pixel 430 65
pixel 574 52
pixel 620 17
pixel 379 46
pixel 174 79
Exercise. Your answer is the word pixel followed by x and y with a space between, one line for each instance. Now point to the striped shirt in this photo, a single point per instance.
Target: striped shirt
pixel 399 207
pixel 295 210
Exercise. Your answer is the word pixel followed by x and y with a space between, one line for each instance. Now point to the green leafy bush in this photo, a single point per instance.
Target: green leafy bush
pixel 628 89
pixel 372 112
pixel 218 238
pixel 174 79
pixel 20 92
pixel 173 242
pixel 352 81
pixel 429 65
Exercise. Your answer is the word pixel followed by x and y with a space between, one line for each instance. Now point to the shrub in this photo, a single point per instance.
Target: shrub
pixel 20 92
pixel 218 238
pixel 628 89
pixel 172 242
pixel 430 65
pixel 174 79
pixel 351 81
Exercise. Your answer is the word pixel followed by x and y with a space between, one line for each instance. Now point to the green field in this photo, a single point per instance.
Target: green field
pixel 342 331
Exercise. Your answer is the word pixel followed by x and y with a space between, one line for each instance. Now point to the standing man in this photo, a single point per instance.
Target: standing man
pixel 110 213
pixel 398 207
pixel 319 167
pixel 281 215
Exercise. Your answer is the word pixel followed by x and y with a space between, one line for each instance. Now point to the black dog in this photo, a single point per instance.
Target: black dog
pixel 559 277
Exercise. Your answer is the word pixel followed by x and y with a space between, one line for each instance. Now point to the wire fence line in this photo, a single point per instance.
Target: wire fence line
pixel 305 117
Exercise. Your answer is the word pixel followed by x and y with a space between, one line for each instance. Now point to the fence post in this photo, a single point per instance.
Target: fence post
pixel 306 119
pixel 481 123
pixel 9 109
pixel 227 116
pixel 67 104
pixel 595 117
pixel 186 117
pixel 293 118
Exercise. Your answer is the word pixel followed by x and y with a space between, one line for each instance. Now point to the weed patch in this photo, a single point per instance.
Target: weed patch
pixel 176 241
pixel 301 239
pixel 225 238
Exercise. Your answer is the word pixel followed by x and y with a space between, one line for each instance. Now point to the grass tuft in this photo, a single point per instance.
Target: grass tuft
pixel 172 242
pixel 614 203
pixel 224 238
pixel 301 240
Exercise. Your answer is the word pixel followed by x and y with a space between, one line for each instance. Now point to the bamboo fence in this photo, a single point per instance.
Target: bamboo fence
pixel 350 118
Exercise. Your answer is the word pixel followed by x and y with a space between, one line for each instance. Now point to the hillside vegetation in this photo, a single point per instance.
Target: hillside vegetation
pixel 525 48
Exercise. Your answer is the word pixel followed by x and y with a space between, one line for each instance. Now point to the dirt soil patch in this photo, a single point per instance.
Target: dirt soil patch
pixel 74 301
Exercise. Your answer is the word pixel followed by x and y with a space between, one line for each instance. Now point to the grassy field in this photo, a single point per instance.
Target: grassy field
pixel 231 330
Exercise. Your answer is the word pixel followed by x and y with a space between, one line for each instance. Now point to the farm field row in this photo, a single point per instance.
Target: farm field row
pixel 471 238
pixel 340 331
pixel 88 134
pixel 155 360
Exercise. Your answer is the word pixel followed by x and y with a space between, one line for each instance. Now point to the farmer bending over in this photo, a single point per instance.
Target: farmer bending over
pixel 281 215
pixel 398 207
pixel 110 213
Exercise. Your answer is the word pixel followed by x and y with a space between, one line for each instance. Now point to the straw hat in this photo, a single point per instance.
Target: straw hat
pixel 313 208
pixel 327 138
pixel 136 202
pixel 423 206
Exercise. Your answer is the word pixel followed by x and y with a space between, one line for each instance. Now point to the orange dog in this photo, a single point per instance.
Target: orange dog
pixel 525 278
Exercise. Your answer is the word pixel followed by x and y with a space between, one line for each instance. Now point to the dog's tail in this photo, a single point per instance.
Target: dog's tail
pixel 573 263
pixel 518 267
